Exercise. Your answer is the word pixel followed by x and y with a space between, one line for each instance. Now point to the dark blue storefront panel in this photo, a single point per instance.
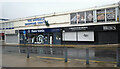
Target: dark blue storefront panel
pixel 46 36
pixel 56 38
pixel 46 32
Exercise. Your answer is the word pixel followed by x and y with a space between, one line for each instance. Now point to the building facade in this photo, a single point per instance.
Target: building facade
pixel 99 25
pixel 2 35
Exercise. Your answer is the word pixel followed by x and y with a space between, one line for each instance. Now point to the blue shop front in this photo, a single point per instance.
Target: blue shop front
pixel 40 36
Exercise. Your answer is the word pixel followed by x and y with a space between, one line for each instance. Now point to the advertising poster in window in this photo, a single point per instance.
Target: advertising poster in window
pixel 81 17
pixel 101 15
pixel 73 18
pixel 89 17
pixel 110 14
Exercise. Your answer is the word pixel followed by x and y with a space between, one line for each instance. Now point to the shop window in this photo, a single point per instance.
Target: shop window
pixel 58 37
pixel 46 38
pixel 81 17
pixel 73 18
pixel 35 38
pixel 110 14
pixel 89 17
pixel 86 36
pixel 69 36
pixel 101 15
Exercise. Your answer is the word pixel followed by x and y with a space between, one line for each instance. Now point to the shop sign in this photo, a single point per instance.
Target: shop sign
pixel 78 28
pixel 43 30
pixel 35 21
pixel 35 31
pixel 109 28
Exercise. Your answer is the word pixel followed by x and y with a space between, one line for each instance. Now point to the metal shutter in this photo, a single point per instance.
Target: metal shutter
pixel 12 38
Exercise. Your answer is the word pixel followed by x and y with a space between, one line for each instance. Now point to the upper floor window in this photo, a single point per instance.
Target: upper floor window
pixel 81 17
pixel 110 14
pixel 73 18
pixel 89 16
pixel 101 15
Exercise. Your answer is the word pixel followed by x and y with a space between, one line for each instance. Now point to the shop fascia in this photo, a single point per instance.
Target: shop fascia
pixel 109 27
pixel 35 31
pixel 92 28
pixel 42 30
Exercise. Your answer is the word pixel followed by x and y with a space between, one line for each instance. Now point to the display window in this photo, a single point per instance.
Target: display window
pixel 110 14
pixel 89 17
pixel 73 18
pixel 81 17
pixel 101 15
pixel 37 38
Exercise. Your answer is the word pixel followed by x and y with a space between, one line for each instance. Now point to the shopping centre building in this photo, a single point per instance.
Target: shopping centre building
pixel 1 32
pixel 97 25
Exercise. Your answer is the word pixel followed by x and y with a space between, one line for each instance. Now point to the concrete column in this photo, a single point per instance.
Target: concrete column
pixel 118 56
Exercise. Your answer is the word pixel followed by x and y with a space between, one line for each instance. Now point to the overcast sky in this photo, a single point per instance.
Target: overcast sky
pixel 24 8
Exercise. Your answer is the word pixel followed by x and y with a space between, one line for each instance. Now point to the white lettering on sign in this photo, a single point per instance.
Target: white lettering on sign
pixel 78 28
pixel 34 31
pixel 109 27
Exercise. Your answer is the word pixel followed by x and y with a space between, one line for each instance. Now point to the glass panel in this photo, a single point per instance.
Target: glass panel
pixel 89 16
pixel 101 15
pixel 110 14
pixel 81 17
pixel 73 18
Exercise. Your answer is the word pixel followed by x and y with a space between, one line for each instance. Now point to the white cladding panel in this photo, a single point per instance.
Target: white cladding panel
pixel 58 19
pixel 86 36
pixel 10 32
pixel 19 23
pixel 69 36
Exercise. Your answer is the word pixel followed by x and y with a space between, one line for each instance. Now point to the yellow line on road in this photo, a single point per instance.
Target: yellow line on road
pixel 77 59
pixel 78 46
pixel 51 58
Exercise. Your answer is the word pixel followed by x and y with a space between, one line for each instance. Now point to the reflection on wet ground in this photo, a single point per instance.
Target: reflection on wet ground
pixel 100 54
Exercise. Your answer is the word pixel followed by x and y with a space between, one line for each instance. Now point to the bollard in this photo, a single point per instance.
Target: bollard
pixel 87 56
pixel 66 59
pixel 118 57
pixel 28 52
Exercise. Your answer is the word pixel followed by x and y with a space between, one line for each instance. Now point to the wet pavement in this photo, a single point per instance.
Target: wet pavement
pixel 15 56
